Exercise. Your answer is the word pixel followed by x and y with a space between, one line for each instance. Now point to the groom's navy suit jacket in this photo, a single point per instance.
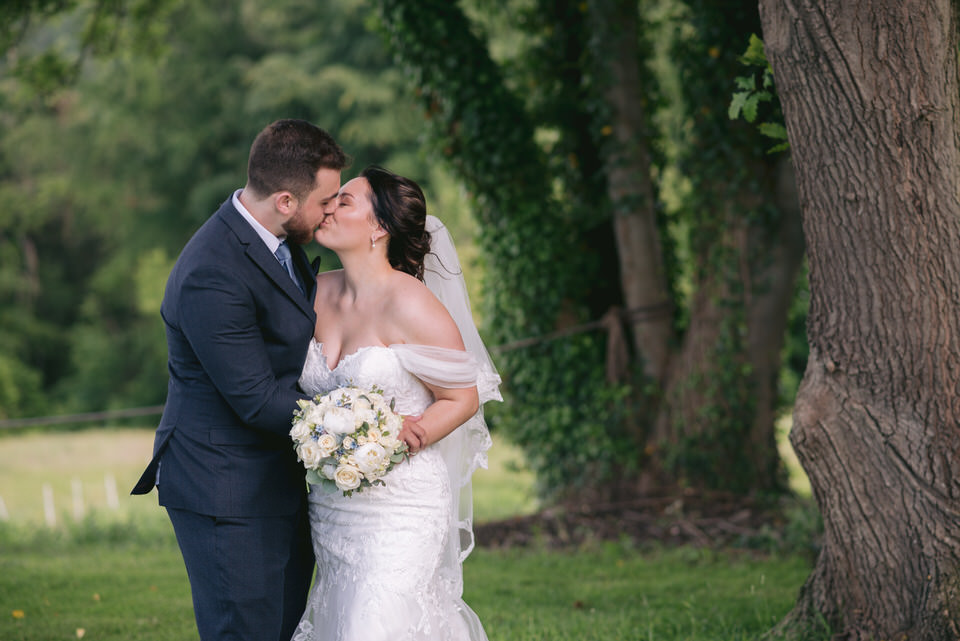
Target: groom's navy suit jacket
pixel 237 335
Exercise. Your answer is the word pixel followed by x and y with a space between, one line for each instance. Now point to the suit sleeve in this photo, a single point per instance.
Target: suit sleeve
pixel 219 319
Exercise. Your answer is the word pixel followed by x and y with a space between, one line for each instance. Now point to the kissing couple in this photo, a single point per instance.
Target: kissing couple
pixel 253 333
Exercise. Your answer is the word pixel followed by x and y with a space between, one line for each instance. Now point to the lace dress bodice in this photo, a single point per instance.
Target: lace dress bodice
pixel 374 365
pixel 382 570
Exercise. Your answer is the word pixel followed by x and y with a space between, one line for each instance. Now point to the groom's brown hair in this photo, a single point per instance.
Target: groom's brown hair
pixel 286 156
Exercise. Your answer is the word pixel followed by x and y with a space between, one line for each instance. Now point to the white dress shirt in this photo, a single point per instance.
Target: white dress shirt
pixel 271 241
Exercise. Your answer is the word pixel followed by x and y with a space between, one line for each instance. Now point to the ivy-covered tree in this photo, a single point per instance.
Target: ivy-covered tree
pixel 556 145
pixel 540 264
pixel 745 249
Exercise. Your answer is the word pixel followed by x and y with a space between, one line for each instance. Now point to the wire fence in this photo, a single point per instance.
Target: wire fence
pixel 87 417
pixel 612 323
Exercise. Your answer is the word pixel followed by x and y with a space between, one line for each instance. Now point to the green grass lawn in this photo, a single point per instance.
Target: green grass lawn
pixel 117 574
pixel 118 583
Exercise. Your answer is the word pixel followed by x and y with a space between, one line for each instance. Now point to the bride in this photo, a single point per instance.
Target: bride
pixel 389 558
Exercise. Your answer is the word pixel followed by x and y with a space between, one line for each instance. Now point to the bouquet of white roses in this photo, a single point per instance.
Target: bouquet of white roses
pixel 348 438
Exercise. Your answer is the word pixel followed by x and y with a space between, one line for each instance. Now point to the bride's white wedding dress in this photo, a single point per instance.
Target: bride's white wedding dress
pixel 389 557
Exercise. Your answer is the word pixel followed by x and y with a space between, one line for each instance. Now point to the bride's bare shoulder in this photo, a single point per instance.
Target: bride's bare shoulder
pixel 419 317
pixel 409 295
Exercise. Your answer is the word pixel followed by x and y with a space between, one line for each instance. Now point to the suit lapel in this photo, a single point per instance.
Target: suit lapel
pixel 257 252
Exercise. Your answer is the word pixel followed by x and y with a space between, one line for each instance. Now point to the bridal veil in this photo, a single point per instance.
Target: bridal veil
pixel 465 449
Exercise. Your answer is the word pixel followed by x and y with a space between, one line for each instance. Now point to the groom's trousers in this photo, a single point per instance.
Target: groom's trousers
pixel 249 576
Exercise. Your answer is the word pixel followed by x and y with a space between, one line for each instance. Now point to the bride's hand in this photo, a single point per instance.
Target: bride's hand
pixel 413 434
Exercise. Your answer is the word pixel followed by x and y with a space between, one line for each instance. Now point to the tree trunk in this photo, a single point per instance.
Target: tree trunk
pixel 720 400
pixel 721 396
pixel 870 95
pixel 629 183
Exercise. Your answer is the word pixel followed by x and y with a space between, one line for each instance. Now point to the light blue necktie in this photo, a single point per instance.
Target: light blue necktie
pixel 286 259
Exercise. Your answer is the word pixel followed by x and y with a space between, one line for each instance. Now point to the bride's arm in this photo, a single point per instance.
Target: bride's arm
pixel 422 320
pixel 451 409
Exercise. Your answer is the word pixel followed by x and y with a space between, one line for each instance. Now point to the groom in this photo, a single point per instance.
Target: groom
pixel 238 310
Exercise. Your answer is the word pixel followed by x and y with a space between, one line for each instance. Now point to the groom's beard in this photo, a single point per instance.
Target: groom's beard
pixel 298 231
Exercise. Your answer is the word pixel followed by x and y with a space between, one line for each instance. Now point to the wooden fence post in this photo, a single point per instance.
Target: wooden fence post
pixel 49 512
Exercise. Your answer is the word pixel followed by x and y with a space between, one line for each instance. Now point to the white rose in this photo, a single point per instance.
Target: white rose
pixel 327 444
pixel 374 435
pixel 390 441
pixel 370 458
pixel 347 477
pixel 328 471
pixel 300 432
pixel 393 423
pixel 391 430
pixel 346 396
pixel 338 420
pixel 310 454
pixel 312 414
pixel 367 416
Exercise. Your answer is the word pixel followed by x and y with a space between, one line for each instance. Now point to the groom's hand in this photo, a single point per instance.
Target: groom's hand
pixel 413 434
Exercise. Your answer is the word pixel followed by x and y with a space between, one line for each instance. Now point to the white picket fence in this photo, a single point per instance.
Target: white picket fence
pixel 77 502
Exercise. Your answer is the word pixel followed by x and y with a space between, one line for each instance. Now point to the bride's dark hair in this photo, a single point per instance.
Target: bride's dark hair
pixel 401 209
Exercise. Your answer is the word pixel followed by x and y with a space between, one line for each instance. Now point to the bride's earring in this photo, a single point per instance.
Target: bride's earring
pixel 373 242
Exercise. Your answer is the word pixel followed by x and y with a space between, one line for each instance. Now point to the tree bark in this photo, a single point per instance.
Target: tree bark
pixel 870 96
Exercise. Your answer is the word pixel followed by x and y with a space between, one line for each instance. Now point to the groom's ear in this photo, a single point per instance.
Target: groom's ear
pixel 284 202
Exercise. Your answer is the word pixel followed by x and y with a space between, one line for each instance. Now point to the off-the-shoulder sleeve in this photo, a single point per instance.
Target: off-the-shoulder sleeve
pixel 450 368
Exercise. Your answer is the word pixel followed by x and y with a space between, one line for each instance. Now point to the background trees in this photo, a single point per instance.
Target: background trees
pixel 592 139
pixel 556 141
pixel 104 176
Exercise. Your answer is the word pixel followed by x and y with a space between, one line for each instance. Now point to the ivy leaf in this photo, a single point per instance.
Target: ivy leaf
pixel 736 104
pixel 754 55
pixel 750 107
pixel 776 131
pixel 768 78
pixel 773 130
